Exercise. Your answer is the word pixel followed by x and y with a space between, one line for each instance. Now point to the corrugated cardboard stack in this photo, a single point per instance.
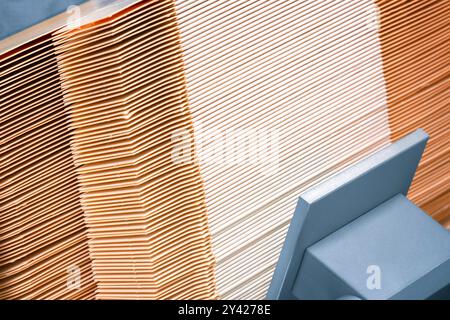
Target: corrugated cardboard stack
pixel 283 94
pixel 189 129
pixel 43 243
pixel 123 82
pixel 415 48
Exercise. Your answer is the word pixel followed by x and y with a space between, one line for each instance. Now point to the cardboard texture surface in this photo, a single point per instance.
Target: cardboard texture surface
pixel 124 88
pixel 158 149
pixel 415 50
pixel 42 229
pixel 305 77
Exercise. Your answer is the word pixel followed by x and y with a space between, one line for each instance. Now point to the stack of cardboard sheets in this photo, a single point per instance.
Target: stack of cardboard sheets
pixel 283 94
pixel 123 82
pixel 156 149
pixel 43 242
pixel 415 48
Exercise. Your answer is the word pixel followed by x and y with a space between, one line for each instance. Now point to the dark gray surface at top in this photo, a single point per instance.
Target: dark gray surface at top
pixel 18 15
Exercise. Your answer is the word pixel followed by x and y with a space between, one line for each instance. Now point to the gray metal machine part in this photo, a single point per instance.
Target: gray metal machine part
pixel 358 226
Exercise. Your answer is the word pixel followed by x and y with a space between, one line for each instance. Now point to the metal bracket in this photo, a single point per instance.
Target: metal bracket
pixel 349 208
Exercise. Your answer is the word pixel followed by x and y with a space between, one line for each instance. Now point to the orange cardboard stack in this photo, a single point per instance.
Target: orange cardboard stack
pixel 43 242
pixel 156 149
pixel 415 41
pixel 123 82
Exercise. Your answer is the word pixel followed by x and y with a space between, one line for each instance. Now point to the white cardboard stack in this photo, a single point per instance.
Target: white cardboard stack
pixel 306 76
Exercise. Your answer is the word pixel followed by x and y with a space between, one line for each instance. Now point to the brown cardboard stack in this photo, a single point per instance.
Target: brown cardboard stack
pixel 415 48
pixel 125 112
pixel 123 82
pixel 43 240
